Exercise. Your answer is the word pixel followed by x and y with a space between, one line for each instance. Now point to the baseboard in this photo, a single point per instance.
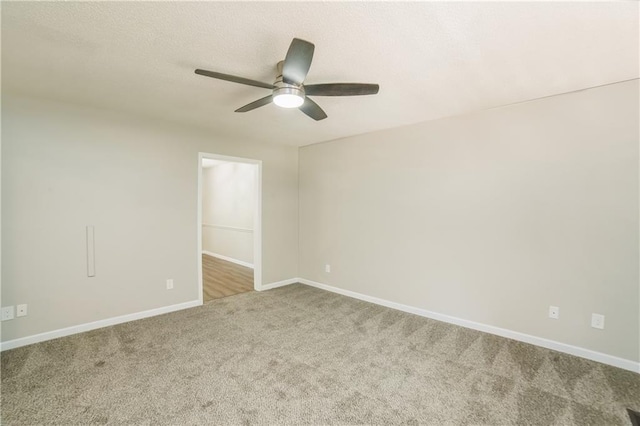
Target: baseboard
pixel 49 335
pixel 510 334
pixel 228 259
pixel 23 341
pixel 279 284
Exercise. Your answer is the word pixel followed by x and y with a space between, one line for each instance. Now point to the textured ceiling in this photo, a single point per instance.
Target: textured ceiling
pixel 431 59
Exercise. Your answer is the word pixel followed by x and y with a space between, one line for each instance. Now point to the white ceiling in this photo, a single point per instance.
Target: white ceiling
pixel 431 59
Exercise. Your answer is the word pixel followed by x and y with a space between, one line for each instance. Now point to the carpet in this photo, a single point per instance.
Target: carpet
pixel 299 355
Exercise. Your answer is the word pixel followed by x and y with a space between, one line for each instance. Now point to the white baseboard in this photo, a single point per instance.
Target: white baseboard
pixel 279 284
pixel 521 337
pixel 228 259
pixel 23 341
pixel 510 334
pixel 54 334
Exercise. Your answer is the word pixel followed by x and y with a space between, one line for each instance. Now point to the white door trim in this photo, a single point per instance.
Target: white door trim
pixel 257 218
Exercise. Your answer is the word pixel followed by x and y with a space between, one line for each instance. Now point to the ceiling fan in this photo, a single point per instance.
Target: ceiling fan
pixel 289 90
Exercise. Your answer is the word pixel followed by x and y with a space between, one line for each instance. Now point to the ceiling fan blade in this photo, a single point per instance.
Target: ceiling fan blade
pixel 341 89
pixel 234 78
pixel 255 104
pixel 313 110
pixel 297 62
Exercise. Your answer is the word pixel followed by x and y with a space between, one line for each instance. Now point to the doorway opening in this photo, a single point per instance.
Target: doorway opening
pixel 229 226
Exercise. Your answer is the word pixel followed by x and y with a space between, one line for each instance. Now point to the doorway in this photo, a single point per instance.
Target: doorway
pixel 229 226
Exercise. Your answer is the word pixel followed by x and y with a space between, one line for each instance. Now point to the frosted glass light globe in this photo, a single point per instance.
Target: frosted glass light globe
pixel 288 100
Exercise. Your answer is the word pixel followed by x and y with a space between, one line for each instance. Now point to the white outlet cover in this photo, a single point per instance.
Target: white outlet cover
pixel 327 268
pixel 554 312
pixel 7 313
pixel 169 284
pixel 597 321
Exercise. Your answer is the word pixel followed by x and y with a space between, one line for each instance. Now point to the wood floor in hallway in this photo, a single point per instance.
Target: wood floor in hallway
pixel 221 278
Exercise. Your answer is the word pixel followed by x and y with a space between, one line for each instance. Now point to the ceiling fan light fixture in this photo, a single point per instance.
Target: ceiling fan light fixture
pixel 289 89
pixel 288 97
pixel 288 100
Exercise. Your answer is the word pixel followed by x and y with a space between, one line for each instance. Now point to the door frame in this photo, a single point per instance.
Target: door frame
pixel 257 218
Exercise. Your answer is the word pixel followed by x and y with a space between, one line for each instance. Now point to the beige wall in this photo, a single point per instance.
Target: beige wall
pixel 228 206
pixel 135 180
pixel 489 217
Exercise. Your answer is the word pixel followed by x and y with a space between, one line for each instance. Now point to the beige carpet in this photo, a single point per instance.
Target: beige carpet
pixel 298 355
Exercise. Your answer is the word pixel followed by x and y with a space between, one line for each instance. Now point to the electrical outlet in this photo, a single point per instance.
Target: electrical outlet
pixel 7 313
pixel 597 321
pixel 21 310
pixel 554 312
pixel 169 284
pixel 327 268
